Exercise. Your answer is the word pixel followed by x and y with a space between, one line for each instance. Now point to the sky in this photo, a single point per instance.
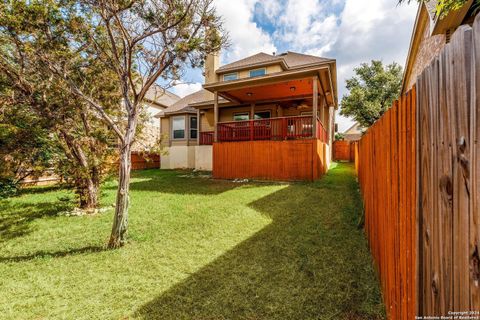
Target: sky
pixel 350 31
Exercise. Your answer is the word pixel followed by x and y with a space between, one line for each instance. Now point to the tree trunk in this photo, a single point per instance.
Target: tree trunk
pixel 120 221
pixel 89 195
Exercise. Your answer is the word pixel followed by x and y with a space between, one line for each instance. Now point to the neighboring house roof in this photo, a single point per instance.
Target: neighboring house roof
pixel 183 105
pixel 426 15
pixel 355 129
pixel 161 97
pixel 288 60
pixel 353 133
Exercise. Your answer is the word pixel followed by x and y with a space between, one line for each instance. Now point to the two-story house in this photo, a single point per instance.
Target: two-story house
pixel 265 116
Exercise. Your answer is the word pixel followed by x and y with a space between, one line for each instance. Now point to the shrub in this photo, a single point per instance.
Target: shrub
pixel 8 188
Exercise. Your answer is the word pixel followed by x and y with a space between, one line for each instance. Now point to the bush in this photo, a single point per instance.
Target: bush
pixel 8 188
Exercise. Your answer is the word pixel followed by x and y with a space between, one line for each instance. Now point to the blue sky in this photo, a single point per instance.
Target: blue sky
pixel 351 31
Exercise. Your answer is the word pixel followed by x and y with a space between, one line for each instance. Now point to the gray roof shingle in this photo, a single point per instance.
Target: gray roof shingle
pixel 182 105
pixel 291 59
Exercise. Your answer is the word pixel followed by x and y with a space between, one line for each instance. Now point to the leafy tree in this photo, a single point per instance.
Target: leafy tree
pixel 371 92
pixel 26 149
pixel 42 123
pixel 444 7
pixel 140 41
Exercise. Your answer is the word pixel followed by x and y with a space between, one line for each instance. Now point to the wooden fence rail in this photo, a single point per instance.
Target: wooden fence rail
pixel 419 173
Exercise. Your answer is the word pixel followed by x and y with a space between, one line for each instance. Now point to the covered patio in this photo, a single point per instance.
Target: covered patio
pixel 293 111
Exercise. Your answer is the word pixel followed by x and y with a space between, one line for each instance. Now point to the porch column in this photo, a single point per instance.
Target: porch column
pixel 279 111
pixel 331 124
pixel 322 113
pixel 252 111
pixel 199 126
pixel 315 106
pixel 215 116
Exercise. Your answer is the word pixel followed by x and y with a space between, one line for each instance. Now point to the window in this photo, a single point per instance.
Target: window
pixel 178 127
pixel 258 72
pixel 193 127
pixel 241 116
pixel 261 115
pixel 230 76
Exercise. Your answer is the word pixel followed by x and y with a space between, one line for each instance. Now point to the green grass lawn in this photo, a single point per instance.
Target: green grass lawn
pixel 198 249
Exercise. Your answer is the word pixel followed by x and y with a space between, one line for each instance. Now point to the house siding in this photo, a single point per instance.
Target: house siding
pixel 246 73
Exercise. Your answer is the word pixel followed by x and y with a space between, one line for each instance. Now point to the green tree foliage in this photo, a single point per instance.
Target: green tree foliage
pixel 43 124
pixel 371 92
pixel 26 149
pixel 137 41
pixel 444 7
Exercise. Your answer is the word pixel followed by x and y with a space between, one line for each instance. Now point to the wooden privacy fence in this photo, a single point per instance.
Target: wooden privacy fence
pixel 449 212
pixel 418 169
pixel 141 161
pixel 344 150
pixel 271 160
pixel 386 170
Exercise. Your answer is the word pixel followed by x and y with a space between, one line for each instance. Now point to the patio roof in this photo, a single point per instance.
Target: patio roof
pixel 289 84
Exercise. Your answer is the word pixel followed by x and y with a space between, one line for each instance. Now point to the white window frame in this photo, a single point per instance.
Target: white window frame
pixel 184 127
pixel 230 74
pixel 250 72
pixel 241 113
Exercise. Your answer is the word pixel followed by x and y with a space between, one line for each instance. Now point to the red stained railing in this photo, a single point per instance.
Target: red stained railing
pixel 206 138
pixel 270 129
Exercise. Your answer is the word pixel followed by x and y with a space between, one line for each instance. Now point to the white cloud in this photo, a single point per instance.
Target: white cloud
pixel 374 29
pixel 360 32
pixel 183 89
pixel 268 9
pixel 350 31
pixel 246 37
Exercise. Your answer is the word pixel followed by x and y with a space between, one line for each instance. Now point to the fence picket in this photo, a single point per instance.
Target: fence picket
pixel 418 169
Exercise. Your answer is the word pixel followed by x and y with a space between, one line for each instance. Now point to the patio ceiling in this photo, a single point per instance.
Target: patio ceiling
pixel 278 91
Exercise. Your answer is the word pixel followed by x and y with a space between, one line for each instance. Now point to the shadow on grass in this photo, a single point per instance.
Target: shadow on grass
pixel 57 254
pixel 16 219
pixel 311 262
pixel 40 189
pixel 178 182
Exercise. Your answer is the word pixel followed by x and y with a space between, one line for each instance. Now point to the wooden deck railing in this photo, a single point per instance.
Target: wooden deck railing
pixel 270 129
pixel 206 138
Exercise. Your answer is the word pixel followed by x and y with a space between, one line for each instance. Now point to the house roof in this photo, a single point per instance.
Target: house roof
pixel 183 105
pixel 354 129
pixel 289 60
pixel 427 14
pixel 161 97
pixel 296 60
pixel 431 7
